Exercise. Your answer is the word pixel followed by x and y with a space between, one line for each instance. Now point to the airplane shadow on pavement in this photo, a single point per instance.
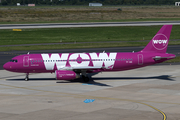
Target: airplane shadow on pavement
pixel 93 81
pixel 162 77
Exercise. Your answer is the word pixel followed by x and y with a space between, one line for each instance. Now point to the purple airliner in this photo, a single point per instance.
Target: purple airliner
pixel 68 66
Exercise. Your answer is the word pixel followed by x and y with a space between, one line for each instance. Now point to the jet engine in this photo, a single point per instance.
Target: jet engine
pixel 66 75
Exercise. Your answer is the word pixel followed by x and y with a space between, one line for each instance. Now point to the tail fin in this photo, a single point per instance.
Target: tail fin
pixel 160 41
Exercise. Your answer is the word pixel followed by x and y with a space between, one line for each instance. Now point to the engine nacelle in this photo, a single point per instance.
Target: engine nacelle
pixel 66 75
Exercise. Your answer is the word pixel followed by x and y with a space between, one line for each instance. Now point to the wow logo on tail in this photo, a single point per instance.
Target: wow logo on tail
pixel 160 41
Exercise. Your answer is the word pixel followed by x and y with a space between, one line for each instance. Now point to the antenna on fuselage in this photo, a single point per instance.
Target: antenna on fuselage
pixel 104 51
pixel 28 53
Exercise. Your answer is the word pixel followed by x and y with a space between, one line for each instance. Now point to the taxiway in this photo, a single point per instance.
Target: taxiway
pixel 91 24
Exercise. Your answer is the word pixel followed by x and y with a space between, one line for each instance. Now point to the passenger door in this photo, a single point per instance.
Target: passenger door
pixel 26 61
pixel 140 59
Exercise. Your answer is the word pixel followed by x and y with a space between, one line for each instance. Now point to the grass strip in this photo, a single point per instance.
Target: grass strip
pixel 61 14
pixel 90 34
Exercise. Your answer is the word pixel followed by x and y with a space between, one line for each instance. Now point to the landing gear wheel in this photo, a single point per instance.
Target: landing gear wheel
pixel 26 79
pixel 85 79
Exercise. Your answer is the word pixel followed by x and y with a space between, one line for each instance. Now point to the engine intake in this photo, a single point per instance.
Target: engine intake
pixel 66 75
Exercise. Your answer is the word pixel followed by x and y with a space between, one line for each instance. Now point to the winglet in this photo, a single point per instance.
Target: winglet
pixel 160 41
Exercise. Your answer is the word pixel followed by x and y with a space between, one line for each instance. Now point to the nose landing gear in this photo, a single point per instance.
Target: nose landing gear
pixel 27 77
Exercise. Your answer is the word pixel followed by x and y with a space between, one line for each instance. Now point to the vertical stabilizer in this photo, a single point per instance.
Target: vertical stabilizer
pixel 160 41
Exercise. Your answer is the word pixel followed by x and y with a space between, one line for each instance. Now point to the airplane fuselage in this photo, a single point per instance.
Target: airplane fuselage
pixel 94 62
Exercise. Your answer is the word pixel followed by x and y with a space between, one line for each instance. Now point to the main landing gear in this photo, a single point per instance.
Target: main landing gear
pixel 85 79
pixel 27 77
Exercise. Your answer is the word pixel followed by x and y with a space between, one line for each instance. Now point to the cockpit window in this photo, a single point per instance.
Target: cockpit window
pixel 13 60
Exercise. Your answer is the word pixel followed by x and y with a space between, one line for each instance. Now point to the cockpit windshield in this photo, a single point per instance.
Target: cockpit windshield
pixel 13 60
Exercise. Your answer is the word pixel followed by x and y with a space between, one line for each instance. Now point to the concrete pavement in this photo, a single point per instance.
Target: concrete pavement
pixel 147 93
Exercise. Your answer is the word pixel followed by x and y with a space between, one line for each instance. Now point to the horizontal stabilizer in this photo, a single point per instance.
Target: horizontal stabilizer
pixel 160 57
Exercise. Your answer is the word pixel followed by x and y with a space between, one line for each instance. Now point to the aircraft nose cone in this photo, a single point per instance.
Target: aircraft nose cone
pixel 6 66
